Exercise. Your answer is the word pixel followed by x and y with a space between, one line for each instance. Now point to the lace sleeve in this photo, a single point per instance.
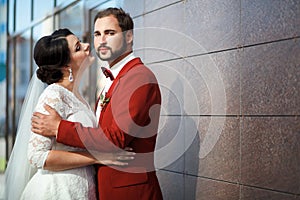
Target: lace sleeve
pixel 40 146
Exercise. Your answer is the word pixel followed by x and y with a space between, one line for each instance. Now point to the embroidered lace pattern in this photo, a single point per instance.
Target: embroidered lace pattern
pixel 68 184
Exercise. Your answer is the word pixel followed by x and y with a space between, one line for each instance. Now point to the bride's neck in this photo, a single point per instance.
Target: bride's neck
pixel 66 84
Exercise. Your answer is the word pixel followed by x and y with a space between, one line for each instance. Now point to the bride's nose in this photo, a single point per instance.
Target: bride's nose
pixel 86 46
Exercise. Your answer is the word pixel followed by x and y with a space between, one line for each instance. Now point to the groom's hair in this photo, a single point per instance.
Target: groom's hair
pixel 124 19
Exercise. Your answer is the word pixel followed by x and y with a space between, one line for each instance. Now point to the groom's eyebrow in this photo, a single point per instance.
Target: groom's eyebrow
pixel 106 31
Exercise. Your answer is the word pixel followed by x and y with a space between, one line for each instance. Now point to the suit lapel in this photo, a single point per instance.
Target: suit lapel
pixel 124 70
pixel 133 63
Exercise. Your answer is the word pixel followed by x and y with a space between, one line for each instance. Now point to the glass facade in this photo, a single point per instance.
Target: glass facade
pixel 3 29
pixel 23 14
pixel 42 8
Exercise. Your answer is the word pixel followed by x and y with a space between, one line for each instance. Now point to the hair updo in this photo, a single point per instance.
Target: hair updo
pixel 51 54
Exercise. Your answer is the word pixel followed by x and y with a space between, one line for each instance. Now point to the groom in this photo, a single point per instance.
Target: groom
pixel 128 113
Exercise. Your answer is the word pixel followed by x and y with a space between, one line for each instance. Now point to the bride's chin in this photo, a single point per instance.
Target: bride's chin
pixel 92 58
pixel 88 61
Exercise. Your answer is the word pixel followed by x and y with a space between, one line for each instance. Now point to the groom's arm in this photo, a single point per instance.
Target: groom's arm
pixel 69 133
pixel 46 125
pixel 74 134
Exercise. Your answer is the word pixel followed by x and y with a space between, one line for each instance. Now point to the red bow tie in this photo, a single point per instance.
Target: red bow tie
pixel 107 73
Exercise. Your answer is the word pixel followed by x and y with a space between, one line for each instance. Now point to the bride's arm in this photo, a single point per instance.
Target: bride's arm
pixel 62 160
pixel 41 155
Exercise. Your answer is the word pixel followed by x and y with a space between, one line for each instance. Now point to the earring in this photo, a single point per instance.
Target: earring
pixel 71 75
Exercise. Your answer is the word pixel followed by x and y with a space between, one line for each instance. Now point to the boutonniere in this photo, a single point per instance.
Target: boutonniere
pixel 105 102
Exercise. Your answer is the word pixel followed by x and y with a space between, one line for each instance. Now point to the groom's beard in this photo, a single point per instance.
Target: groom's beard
pixel 113 55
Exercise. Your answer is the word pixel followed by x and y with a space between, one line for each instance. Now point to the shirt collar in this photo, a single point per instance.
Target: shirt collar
pixel 118 66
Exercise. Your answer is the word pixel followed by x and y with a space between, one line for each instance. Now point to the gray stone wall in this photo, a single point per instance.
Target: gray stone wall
pixel 230 77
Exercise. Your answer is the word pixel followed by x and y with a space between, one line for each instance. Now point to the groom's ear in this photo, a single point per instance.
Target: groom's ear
pixel 129 37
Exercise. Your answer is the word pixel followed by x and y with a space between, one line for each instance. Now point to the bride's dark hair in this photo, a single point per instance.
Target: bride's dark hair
pixel 51 54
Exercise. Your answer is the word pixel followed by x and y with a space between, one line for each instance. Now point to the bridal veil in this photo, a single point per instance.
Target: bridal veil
pixel 19 171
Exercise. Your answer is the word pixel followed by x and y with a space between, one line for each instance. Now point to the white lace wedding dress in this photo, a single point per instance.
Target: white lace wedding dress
pixel 74 184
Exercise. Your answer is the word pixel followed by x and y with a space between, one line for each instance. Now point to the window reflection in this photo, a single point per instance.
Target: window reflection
pixel 72 18
pixel 11 97
pixel 11 16
pixel 61 3
pixel 42 29
pixel 22 75
pixel 42 8
pixel 23 14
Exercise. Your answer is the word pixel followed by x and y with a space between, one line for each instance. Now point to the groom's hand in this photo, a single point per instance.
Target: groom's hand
pixel 46 125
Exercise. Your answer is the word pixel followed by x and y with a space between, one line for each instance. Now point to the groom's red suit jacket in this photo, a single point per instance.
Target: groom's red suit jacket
pixel 129 118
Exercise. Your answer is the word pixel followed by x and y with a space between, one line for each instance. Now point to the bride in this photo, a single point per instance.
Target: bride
pixel 63 172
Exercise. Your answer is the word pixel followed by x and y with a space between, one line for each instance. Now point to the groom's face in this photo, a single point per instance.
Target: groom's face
pixel 109 41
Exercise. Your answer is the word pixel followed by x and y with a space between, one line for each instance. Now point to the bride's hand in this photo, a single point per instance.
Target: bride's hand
pixel 118 158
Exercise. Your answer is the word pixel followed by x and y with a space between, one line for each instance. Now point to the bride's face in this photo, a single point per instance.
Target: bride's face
pixel 79 53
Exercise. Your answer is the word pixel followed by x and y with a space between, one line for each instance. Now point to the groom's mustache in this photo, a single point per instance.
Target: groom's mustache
pixel 103 46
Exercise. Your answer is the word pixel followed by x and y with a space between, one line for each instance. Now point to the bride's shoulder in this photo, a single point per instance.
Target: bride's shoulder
pixel 53 91
pixel 53 95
